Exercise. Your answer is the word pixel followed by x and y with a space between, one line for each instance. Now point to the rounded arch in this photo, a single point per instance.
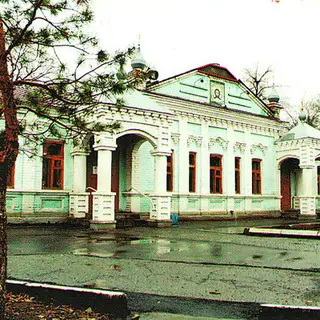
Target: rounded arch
pixel 286 157
pixel 141 133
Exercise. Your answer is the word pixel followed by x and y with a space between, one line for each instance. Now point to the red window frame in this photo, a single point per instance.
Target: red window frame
pixel 170 172
pixel 256 176
pixel 53 164
pixel 215 173
pixel 192 171
pixel 237 175
pixel 10 178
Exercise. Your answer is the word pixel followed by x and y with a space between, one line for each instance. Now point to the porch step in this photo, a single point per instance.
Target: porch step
pixel 290 213
pixel 128 219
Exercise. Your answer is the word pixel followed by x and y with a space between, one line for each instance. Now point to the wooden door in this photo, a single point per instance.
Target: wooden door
pixel 285 190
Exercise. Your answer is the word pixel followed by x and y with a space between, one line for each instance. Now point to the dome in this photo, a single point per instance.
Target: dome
pixel 273 96
pixel 138 61
pixel 302 116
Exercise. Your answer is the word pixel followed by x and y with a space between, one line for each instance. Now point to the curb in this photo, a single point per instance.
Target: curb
pixel 220 309
pixel 279 312
pixel 102 301
pixel 255 231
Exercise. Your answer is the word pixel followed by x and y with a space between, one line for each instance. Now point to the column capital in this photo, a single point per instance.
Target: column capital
pixel 79 152
pixel 103 147
pixel 104 141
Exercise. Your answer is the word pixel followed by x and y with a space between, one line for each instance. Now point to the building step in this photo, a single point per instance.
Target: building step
pixel 290 213
pixel 129 219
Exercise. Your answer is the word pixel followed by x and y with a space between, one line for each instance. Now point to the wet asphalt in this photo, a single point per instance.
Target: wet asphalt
pixel 173 270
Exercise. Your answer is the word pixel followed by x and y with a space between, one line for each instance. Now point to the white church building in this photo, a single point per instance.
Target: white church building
pixel 199 144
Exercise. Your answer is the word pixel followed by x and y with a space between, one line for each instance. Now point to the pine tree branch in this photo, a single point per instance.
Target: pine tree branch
pixel 20 36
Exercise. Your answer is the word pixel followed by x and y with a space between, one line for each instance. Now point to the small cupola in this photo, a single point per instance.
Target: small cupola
pixel 141 72
pixel 273 96
pixel 138 62
pixel 302 116
pixel 273 102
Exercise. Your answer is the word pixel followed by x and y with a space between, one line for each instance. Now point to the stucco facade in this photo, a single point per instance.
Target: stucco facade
pixel 199 144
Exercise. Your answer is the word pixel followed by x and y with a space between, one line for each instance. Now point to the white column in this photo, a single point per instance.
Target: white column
pixel 103 199
pixel 160 172
pixel 79 202
pixel 104 169
pixel 79 171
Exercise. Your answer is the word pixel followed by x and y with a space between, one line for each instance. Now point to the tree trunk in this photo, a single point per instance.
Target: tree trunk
pixel 8 153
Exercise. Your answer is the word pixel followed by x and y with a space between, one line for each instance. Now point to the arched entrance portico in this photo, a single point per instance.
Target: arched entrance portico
pixel 132 178
pixel 132 175
pixel 124 173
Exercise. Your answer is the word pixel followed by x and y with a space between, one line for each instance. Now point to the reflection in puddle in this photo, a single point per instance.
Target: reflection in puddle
pixel 87 252
pixel 151 248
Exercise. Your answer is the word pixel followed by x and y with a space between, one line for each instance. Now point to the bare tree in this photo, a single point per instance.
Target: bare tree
pixel 258 81
pixel 311 109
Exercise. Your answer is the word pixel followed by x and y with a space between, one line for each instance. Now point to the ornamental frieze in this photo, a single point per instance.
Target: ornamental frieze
pixel 194 139
pixel 218 141
pixel 239 146
pixel 258 147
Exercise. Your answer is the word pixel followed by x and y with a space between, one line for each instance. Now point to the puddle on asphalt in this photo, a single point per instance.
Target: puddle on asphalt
pixel 148 248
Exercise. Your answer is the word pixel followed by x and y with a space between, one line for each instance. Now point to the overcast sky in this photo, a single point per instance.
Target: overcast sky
pixel 179 35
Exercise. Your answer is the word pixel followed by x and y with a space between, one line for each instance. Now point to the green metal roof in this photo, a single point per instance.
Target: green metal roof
pixel 300 131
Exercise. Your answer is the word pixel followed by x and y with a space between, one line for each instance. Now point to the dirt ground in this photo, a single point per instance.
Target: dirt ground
pixel 22 307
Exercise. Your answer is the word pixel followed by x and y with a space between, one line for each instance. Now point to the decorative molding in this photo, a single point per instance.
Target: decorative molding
pixel 194 139
pixel 258 146
pixel 175 137
pixel 297 143
pixel 241 146
pixel 218 141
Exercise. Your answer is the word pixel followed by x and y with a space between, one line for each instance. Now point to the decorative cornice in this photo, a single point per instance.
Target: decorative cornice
pixel 218 141
pixel 287 144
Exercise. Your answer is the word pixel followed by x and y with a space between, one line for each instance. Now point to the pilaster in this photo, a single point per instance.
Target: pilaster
pixel 183 164
pixel 308 197
pixel 229 176
pixel 308 187
pixel 247 174
pixel 161 200
pixel 204 167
